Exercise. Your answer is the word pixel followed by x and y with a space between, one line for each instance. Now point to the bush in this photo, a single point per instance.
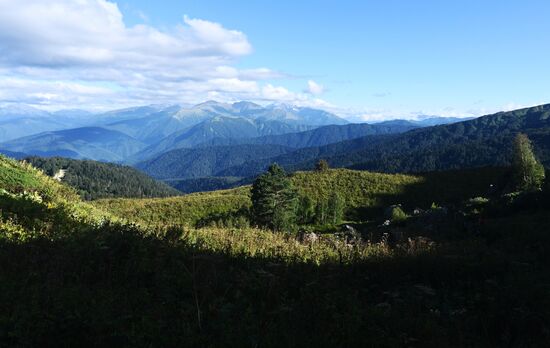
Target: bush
pixel 398 215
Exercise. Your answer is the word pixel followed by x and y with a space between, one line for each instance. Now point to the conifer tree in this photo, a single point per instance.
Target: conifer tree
pixel 274 200
pixel 528 173
pixel 322 166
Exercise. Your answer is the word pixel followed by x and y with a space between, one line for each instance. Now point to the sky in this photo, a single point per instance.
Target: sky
pixel 364 60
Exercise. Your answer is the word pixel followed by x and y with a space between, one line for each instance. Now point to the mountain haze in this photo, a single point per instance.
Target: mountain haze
pixel 81 143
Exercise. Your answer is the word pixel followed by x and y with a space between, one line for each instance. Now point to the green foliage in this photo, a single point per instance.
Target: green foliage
pixel 322 166
pixel 528 173
pixel 330 211
pixel 397 214
pixel 94 180
pixel 185 210
pixel 367 194
pixel 336 205
pixel 305 212
pixel 69 276
pixel 274 200
pixel 321 212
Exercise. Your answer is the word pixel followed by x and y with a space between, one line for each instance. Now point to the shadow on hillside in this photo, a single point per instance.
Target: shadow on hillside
pixel 117 287
pixel 439 188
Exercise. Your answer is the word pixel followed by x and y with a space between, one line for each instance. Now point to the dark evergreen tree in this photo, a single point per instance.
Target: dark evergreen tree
pixel 528 173
pixel 274 200
pixel 322 166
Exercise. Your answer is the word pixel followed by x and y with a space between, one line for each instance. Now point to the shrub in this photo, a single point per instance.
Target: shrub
pixel 398 215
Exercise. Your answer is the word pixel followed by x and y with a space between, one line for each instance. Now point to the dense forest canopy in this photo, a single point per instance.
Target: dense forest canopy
pixel 95 180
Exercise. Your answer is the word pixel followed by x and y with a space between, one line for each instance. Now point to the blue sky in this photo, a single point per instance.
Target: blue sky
pixel 363 59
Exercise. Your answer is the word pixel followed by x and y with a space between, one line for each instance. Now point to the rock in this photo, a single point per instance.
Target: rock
pixel 308 237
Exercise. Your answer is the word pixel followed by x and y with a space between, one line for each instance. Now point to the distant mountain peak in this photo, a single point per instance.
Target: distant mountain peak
pixel 283 106
pixel 21 109
pixel 246 106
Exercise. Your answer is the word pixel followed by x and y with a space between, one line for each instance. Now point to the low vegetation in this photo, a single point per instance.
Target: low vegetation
pixel 186 210
pixel 448 259
pixel 365 195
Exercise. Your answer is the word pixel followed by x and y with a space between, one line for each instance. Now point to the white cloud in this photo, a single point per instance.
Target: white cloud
pixel 277 93
pixel 314 88
pixel 59 52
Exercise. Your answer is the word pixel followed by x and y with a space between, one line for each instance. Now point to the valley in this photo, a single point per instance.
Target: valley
pixel 274 174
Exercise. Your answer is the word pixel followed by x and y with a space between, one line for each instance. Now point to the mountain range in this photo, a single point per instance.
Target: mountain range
pixel 218 144
pixel 119 134
pixel 484 141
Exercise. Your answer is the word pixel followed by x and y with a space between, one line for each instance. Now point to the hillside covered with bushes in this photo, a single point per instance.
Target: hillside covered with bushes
pixel 438 259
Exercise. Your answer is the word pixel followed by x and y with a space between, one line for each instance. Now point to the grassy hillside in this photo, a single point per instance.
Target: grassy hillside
pixel 94 180
pixel 33 204
pixel 366 194
pixel 70 275
pixel 184 210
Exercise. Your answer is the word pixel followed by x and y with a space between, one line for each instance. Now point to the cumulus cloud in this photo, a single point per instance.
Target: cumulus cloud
pixel 68 52
pixel 271 92
pixel 314 88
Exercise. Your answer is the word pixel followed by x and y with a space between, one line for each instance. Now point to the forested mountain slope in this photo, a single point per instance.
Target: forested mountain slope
pixel 208 161
pixel 93 180
pixel 480 142
pixel 321 136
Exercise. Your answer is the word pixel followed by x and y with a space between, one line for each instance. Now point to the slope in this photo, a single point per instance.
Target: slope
pixel 217 127
pixel 321 136
pixel 94 180
pixel 485 141
pixel 87 142
pixel 110 284
pixel 366 194
pixel 207 161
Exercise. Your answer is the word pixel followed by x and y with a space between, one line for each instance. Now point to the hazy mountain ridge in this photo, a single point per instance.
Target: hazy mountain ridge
pixel 321 136
pixel 205 162
pixel 23 128
pixel 80 143
pixel 220 127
